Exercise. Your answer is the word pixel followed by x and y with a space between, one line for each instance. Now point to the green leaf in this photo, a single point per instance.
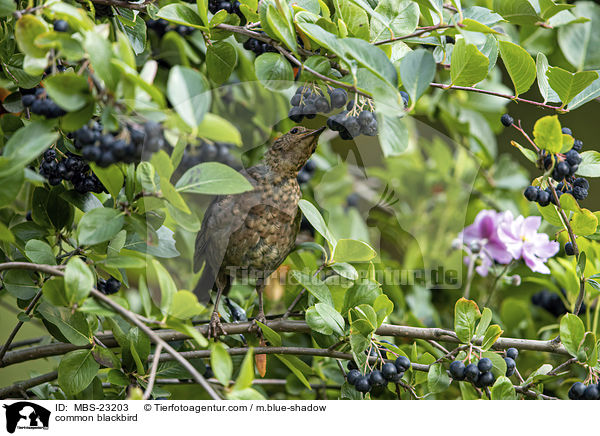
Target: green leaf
pixel 168 289
pixel 188 329
pixel 498 363
pixel 417 70
pixel 365 292
pixel 517 11
pixel 221 58
pixel 246 375
pixel 590 164
pixel 278 24
pixel 484 322
pixel 185 305
pixel 316 220
pixel 572 332
pixel 181 13
pixel 503 389
pixel 351 250
pixel 99 225
pixel 580 42
pixel 567 85
pixel 100 53
pixel 315 286
pixel 437 379
pixel 519 64
pixel 79 280
pixel 68 90
pixel 547 134
pixel 76 371
pixel 117 378
pixel 492 334
pixel 297 366
pixel 541 64
pixel 466 313
pixel 54 292
pixel 590 348
pixel 316 322
pixel 270 335
pixel 345 270
pixel 584 223
pixel 7 7
pixel 213 178
pixel 396 18
pixel 468 66
pixel 218 129
pixel 274 71
pixel 25 145
pixel 189 94
pixel 73 326
pixel 588 94
pixel 332 318
pixel 39 252
pixel 112 178
pixel 27 28
pixel 220 362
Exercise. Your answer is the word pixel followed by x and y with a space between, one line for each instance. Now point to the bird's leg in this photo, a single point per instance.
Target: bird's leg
pixel 260 316
pixel 215 328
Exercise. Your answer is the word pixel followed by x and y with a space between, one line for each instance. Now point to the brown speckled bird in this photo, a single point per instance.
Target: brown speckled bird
pixel 250 234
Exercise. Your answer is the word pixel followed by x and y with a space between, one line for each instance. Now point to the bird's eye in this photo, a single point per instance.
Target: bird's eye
pixel 294 130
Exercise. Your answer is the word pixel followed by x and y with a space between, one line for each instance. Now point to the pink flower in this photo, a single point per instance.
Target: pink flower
pixel 498 237
pixel 524 242
pixel 484 233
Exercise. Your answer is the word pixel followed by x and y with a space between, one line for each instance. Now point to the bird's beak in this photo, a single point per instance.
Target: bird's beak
pixel 313 133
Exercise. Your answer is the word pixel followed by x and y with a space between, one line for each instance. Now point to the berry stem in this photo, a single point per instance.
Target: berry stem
pixel 498 94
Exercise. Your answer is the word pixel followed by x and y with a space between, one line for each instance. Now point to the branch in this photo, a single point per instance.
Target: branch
pixel 122 4
pixel 27 384
pixel 498 94
pixel 291 326
pixel 297 351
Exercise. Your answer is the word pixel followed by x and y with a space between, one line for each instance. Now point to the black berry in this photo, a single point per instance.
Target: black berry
pixel 61 26
pixel 389 371
pixel 457 370
pixel 531 193
pixel 352 376
pixel 577 391
pixel 506 120
pixel 402 364
pixel 513 353
pixel 569 249
pixel 484 365
pixel 472 372
pixel 511 366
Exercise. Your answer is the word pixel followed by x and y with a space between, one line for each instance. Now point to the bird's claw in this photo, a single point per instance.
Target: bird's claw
pixel 215 328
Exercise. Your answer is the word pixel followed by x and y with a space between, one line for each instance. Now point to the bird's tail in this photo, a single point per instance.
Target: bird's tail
pixel 205 284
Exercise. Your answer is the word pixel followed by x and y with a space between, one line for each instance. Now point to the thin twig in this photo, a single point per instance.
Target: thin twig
pixel 498 94
pixel 153 368
pixel 418 32
pixel 14 332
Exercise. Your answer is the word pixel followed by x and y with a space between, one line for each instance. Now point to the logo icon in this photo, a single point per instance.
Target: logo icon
pixel 26 415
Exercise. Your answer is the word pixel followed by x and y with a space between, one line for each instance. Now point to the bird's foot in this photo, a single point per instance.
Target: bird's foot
pixel 255 327
pixel 215 328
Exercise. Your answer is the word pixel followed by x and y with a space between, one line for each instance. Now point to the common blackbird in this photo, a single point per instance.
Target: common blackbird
pixel 249 235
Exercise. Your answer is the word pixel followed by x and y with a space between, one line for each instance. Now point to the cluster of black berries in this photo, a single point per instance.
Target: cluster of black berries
pixel 40 104
pixel 376 381
pixel 563 172
pixel 550 302
pixel 480 374
pixel 108 287
pixel 258 47
pixel 306 172
pixel 308 101
pixel 233 7
pixel 162 26
pixel 70 168
pixel 107 149
pixel 350 126
pixel 579 391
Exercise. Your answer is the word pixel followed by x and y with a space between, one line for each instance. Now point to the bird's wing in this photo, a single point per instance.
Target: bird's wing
pixel 224 216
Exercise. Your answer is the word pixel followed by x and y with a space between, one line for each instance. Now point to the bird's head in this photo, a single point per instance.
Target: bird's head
pixel 291 151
